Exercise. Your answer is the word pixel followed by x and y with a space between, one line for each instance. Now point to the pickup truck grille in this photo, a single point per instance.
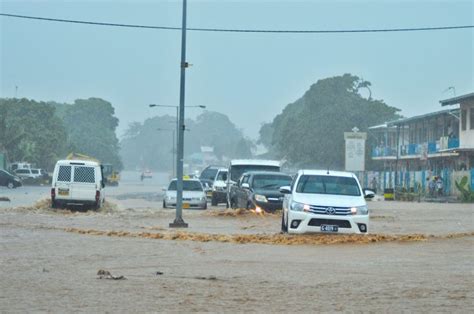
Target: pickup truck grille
pixel 328 210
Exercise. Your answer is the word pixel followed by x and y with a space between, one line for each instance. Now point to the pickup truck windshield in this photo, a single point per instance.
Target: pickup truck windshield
pixel 270 182
pixel 314 184
pixel 237 171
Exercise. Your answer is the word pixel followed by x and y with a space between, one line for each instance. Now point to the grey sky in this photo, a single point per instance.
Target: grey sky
pixel 250 77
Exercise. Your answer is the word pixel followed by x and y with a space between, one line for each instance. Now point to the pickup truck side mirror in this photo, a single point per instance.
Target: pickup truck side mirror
pixel 285 190
pixel 245 186
pixel 368 193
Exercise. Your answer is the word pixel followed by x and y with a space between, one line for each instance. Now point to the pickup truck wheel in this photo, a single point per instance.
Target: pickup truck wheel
pixel 54 204
pixel 284 227
pixel 10 185
pixel 164 204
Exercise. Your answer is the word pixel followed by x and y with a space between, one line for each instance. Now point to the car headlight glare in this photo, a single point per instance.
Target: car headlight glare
pixel 260 198
pixel 360 210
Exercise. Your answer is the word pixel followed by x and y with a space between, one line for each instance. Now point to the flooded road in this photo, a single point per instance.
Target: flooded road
pixel 419 257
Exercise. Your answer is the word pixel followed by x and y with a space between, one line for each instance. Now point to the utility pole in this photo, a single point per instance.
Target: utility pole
pixel 178 221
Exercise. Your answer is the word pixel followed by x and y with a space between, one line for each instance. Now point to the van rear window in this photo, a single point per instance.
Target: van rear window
pixel 64 173
pixel 84 174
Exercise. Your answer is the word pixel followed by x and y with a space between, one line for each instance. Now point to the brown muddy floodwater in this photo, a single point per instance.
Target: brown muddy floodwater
pixel 419 257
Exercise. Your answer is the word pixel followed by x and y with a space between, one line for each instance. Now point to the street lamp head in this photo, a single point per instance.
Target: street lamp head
pixel 152 105
pixel 202 107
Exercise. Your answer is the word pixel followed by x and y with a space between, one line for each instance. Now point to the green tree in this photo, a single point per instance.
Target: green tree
pixel 30 131
pixel 310 131
pixel 91 125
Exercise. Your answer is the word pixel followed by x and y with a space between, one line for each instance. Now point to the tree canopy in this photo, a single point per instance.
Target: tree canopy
pixel 90 125
pixel 310 131
pixel 42 133
pixel 149 145
pixel 30 131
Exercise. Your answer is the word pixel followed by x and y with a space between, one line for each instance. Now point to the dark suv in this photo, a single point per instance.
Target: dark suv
pixel 9 180
pixel 260 189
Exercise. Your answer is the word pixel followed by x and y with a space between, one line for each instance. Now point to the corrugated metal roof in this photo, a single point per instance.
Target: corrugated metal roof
pixel 456 100
pixel 423 116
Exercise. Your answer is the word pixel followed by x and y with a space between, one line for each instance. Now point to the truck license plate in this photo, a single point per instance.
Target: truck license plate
pixel 63 192
pixel 329 228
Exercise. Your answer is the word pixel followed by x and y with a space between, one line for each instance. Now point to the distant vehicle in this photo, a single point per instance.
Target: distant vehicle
pixel 261 190
pixel 9 180
pixel 193 194
pixel 28 173
pixel 112 176
pixel 325 201
pixel 238 167
pixel 147 174
pixel 207 177
pixel 219 191
pixel 33 176
pixel 19 165
pixel 208 174
pixel 77 182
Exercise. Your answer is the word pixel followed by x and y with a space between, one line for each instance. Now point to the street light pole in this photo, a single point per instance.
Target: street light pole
pixel 174 153
pixel 175 134
pixel 178 221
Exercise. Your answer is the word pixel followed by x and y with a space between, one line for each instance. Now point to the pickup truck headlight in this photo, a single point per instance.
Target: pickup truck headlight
pixel 360 210
pixel 260 198
pixel 299 207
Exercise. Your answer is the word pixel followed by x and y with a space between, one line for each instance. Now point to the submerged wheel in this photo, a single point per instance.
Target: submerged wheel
pixel 284 226
pixel 164 204
pixel 214 200
pixel 98 205
pixel 10 185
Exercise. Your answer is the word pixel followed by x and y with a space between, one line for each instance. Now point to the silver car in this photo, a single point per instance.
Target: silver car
pixel 193 194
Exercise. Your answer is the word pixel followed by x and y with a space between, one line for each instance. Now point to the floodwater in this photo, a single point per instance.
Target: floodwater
pixel 418 258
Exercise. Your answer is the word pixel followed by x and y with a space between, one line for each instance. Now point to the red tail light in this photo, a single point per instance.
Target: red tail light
pixel 97 196
pixel 53 193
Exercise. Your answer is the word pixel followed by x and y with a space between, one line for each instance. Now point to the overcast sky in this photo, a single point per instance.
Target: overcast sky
pixel 250 77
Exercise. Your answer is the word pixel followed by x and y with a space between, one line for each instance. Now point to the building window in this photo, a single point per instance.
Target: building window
pixel 471 118
pixel 463 119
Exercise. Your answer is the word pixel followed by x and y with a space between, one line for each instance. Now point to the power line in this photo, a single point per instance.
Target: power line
pixel 229 30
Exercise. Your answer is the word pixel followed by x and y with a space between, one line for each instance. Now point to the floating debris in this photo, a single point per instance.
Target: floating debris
pixel 105 274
